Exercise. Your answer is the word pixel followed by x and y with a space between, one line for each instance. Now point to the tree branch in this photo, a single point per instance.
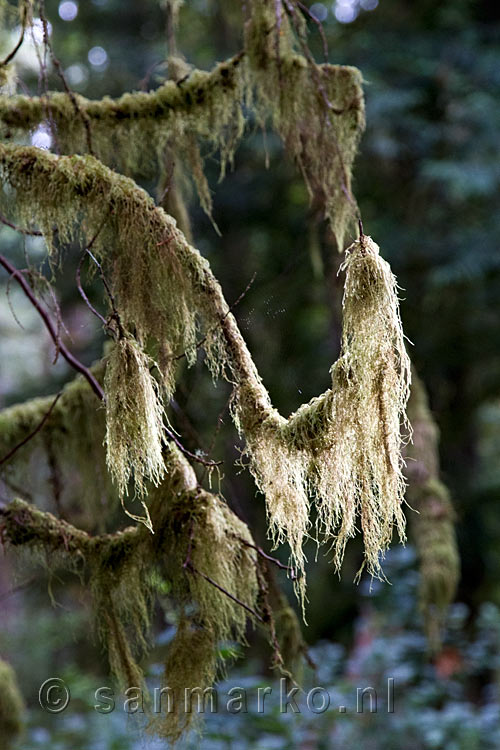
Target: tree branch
pixel 70 358
pixel 32 433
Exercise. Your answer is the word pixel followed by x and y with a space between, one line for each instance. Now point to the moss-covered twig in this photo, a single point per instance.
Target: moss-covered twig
pixel 32 434
pixel 21 524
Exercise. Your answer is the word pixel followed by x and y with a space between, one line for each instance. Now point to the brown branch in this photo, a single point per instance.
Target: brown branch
pixel 23 524
pixel 200 460
pixel 32 232
pixel 229 310
pixel 33 432
pixel 189 566
pixel 70 358
pixel 16 49
pixel 57 64
pixel 278 563
pixel 321 30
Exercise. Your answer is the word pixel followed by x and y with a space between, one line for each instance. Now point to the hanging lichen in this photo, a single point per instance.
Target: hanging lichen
pixel 343 448
pixel 199 546
pixel 134 418
pixel 11 707
pixel 317 110
pixel 68 448
pixel 190 670
pixel 433 524
pixel 362 475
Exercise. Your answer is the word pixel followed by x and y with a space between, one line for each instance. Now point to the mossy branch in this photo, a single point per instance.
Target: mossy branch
pixel 343 447
pixel 22 524
pixel 189 96
pixel 319 115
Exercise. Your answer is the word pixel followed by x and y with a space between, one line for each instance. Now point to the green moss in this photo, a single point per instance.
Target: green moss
pixel 343 449
pixel 69 447
pixel 191 663
pixel 11 706
pixel 134 419
pixel 319 115
pixel 433 524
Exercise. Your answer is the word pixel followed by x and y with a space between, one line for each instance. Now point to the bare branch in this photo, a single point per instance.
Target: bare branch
pixel 70 358
pixel 32 433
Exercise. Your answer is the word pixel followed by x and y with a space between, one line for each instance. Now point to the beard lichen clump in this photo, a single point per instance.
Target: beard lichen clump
pixel 11 707
pixel 318 110
pixel 190 669
pixel 134 418
pixel 433 524
pixel 343 449
pixel 361 465
pixel 362 475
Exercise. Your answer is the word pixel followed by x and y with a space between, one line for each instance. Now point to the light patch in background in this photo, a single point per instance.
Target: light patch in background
pixel 42 137
pixel 26 354
pixel 77 75
pixel 35 32
pixel 346 11
pixel 98 58
pixel 319 11
pixel 26 58
pixel 68 10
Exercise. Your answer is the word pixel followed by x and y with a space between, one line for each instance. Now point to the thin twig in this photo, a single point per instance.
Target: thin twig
pixel 288 568
pixel 253 612
pixel 16 49
pixel 318 23
pixel 57 64
pixel 70 358
pixel 88 251
pixel 195 457
pixel 32 232
pixel 33 432
pixel 229 310
pixel 84 296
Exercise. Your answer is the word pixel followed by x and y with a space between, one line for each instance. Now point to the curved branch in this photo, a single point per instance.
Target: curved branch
pixel 70 358
pixel 186 96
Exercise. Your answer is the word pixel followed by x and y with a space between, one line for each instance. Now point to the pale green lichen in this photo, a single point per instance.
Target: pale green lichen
pixel 66 454
pixel 433 524
pixel 134 418
pixel 342 448
pixel 11 707
pixel 317 110
pixel 122 567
